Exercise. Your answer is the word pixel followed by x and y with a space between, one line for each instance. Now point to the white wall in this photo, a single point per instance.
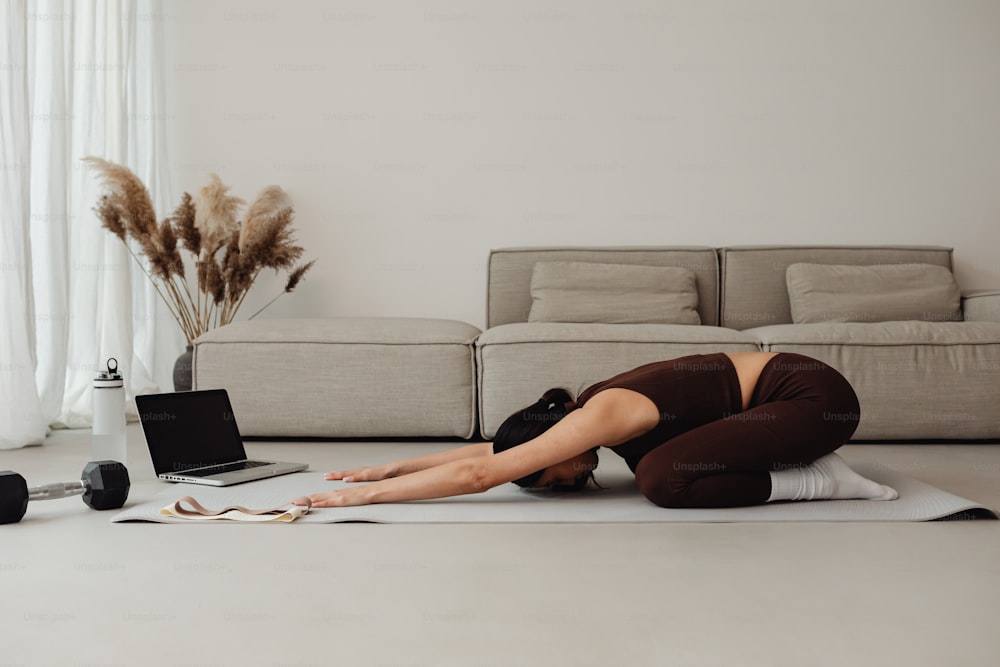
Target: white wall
pixel 413 137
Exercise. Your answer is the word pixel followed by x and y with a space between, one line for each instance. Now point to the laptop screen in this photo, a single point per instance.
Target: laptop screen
pixel 190 429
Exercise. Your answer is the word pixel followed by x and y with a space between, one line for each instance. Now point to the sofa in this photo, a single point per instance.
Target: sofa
pixel 923 357
pixel 937 379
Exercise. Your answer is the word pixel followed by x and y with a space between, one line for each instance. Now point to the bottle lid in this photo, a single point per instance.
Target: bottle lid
pixel 111 373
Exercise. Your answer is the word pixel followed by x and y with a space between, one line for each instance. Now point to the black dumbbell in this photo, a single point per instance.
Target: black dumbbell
pixel 103 484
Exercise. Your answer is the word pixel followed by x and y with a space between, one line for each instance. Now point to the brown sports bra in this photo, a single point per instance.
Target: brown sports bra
pixel 688 392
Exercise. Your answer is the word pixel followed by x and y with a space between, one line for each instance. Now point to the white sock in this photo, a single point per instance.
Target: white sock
pixel 828 478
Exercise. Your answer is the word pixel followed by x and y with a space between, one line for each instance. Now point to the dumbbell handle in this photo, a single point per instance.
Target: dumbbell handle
pixel 57 490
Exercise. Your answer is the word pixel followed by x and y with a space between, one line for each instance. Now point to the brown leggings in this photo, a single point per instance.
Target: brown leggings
pixel 801 410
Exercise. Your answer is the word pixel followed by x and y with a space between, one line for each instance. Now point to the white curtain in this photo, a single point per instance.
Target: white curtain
pixel 77 78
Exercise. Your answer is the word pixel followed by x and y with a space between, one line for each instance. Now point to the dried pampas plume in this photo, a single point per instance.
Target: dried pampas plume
pixel 228 255
pixel 296 276
pixel 273 246
pixel 183 219
pixel 127 194
pixel 127 209
pixel 269 202
pixel 170 256
pixel 215 213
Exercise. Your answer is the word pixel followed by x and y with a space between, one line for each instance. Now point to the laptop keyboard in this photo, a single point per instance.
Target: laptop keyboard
pixel 225 467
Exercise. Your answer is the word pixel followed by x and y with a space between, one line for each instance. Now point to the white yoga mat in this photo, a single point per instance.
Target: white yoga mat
pixel 619 502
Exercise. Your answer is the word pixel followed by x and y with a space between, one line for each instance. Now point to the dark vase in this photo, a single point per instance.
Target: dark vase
pixel 182 370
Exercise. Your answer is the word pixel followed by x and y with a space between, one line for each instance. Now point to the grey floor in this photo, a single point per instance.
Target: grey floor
pixel 78 590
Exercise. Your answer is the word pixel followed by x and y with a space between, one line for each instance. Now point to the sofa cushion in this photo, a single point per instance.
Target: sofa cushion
pixel 901 333
pixel 613 293
pixel 878 293
pixel 344 377
pixel 915 380
pixel 508 297
pixel 753 285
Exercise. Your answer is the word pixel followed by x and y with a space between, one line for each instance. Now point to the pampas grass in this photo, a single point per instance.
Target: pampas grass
pixel 228 253
pixel 215 213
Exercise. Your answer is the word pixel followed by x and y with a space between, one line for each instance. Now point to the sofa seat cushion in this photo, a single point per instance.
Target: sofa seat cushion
pixel 915 380
pixel 344 377
pixel 517 362
pixel 906 332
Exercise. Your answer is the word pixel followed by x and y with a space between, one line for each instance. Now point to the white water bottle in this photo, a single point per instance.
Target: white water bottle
pixel 109 416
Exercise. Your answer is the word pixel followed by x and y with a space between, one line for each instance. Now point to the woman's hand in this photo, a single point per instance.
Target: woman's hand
pixel 363 474
pixel 339 498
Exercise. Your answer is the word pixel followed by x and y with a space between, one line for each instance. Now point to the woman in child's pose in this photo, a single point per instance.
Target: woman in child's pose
pixel 713 430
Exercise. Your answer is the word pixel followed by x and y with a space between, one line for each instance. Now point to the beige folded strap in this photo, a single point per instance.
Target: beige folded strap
pixel 287 512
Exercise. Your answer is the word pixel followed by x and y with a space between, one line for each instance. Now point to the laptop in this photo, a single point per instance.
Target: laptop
pixel 192 437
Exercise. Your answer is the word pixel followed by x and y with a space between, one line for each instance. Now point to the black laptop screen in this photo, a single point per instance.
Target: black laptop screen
pixel 189 430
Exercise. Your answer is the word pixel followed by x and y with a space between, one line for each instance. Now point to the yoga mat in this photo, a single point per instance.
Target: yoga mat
pixel 619 502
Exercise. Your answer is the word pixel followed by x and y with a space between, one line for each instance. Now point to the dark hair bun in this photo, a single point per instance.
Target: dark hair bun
pixel 556 399
pixel 530 422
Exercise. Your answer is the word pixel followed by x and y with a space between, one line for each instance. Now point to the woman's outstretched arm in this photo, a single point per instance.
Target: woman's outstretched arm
pixel 609 418
pixel 406 466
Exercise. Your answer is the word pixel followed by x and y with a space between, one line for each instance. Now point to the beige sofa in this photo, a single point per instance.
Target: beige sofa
pixel 413 377
pixel 915 379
